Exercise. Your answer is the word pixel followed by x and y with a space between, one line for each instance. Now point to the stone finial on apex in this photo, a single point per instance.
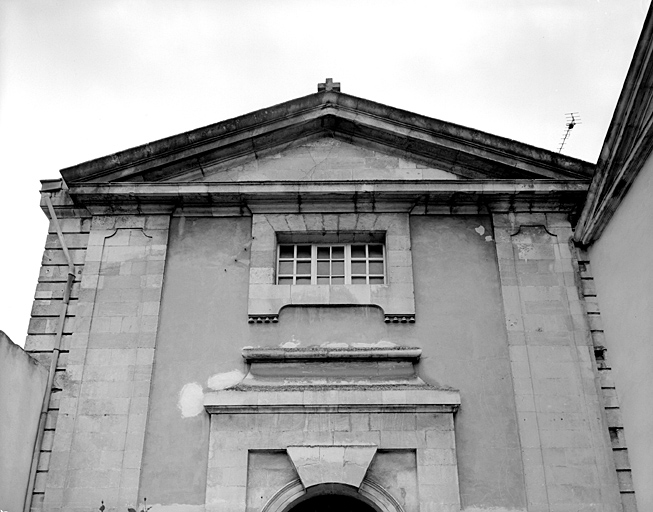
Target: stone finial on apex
pixel 329 85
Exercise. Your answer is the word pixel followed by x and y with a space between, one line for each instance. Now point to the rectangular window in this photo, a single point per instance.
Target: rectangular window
pixel 331 264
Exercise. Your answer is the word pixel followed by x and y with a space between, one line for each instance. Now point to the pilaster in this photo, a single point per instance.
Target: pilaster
pixel 98 444
pixel 565 443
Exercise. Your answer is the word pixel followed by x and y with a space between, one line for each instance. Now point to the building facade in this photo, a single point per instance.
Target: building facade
pixel 325 303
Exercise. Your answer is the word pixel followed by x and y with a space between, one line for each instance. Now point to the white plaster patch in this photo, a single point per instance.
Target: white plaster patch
pixel 191 400
pixel 378 344
pixel 334 344
pixel 225 380
pixel 293 343
pixel 488 238
pixel 480 230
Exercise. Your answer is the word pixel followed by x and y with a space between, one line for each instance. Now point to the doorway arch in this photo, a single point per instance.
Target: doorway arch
pixel 330 502
pixel 370 497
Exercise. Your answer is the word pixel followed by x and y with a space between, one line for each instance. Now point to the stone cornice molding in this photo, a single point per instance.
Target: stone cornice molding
pixel 276 401
pixel 323 379
pixel 258 354
pixel 331 196
pixel 628 143
pixel 463 151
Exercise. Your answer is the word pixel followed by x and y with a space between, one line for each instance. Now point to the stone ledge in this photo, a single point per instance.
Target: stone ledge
pixel 322 353
pixel 423 399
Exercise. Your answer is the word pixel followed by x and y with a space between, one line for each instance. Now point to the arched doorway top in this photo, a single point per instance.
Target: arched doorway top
pixel 372 496
pixel 330 502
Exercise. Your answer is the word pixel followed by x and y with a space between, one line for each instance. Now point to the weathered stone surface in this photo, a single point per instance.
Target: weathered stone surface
pixel 106 412
pixel 552 373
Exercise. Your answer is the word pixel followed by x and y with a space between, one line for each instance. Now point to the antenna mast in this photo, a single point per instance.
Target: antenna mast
pixel 572 119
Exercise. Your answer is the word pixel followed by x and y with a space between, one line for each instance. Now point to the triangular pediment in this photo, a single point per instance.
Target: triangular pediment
pixel 329 136
pixel 320 159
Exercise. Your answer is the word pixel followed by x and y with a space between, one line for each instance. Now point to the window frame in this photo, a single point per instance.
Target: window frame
pixel 347 260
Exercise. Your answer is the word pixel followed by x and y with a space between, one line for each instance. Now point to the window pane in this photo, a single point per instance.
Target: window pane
pixel 363 261
pixel 376 267
pixel 358 267
pixel 303 251
pixel 285 267
pixel 303 267
pixel 357 251
pixel 375 251
pixel 286 251
pixel 323 253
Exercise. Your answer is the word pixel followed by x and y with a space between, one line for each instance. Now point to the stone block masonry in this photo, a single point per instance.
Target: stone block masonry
pixel 95 452
pixel 429 483
pixel 564 438
pixel 42 328
pixel 609 396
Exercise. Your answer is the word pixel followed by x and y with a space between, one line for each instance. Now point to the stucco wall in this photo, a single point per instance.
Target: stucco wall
pixel 22 384
pixel 621 265
pixel 460 326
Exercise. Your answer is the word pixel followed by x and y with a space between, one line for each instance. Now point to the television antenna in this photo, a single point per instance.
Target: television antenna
pixel 572 119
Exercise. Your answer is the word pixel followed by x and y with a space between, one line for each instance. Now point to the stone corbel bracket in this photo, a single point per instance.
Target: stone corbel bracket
pixel 263 319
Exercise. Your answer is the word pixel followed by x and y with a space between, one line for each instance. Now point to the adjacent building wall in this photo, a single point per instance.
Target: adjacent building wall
pixel 22 386
pixel 621 265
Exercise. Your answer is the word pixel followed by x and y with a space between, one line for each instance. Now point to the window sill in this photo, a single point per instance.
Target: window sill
pixel 396 301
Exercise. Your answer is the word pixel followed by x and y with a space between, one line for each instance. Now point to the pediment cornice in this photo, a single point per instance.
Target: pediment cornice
pixel 463 151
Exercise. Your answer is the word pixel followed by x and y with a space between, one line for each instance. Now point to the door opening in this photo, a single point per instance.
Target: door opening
pixel 331 503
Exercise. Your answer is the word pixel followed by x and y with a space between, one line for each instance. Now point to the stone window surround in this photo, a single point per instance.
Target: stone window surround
pixel 396 298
